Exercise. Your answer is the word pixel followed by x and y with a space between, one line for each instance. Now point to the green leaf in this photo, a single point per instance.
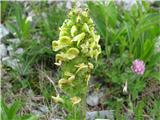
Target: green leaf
pixel 14 109
pixel 156 75
pixel 139 111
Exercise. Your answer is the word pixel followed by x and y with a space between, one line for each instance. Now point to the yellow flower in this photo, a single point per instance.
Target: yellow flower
pixel 65 41
pixel 97 37
pixel 81 66
pixel 63 81
pixel 73 30
pixel 90 21
pixel 78 19
pixel 75 100
pixel 72 53
pixel 57 99
pixel 85 27
pixel 63 33
pixel 59 63
pixel 79 37
pixel 85 13
pixel 71 78
pixel 60 57
pixel 90 65
pixel 94 53
pixel 55 46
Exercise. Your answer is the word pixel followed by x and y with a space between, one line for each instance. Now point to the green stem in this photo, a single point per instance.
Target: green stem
pixel 83 105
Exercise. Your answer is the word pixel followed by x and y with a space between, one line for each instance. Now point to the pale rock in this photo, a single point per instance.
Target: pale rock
pixel 13 63
pixel 10 50
pixel 3 51
pixel 15 41
pixel 19 51
pixel 102 115
pixel 44 109
pixel 3 31
pixel 93 99
pixel 37 113
pixel 69 4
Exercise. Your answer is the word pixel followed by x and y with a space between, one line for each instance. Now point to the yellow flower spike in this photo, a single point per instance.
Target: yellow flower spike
pixel 85 28
pixel 88 78
pixel 73 30
pixel 81 66
pixel 57 99
pixel 65 41
pixel 72 53
pixel 75 100
pixel 79 37
pixel 90 65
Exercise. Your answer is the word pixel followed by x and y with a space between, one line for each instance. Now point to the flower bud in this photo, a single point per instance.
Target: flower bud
pixel 73 31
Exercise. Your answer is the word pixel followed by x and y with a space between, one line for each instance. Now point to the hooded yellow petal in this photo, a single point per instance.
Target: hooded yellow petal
pixel 65 41
pixel 97 37
pixel 55 46
pixel 59 63
pixel 60 57
pixel 63 81
pixel 85 27
pixel 90 65
pixel 78 38
pixel 71 78
pixel 85 13
pixel 57 99
pixel 75 100
pixel 90 21
pixel 72 53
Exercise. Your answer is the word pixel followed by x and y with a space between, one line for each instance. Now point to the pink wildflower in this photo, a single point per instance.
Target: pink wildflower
pixel 138 67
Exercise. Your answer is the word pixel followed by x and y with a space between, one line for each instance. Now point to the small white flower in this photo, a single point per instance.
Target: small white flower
pixel 125 87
